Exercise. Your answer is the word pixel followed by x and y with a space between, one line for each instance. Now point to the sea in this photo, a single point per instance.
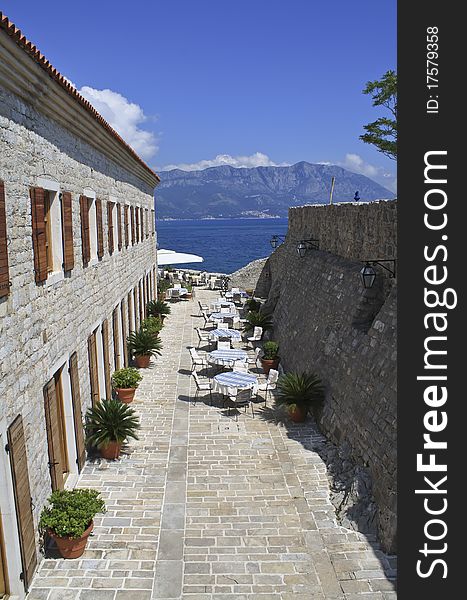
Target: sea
pixel 225 244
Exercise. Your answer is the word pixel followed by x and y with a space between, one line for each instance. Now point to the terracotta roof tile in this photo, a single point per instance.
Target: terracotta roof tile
pixel 42 61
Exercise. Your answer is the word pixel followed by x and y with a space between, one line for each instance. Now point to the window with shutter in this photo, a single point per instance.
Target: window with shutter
pixel 85 234
pixel 141 301
pixel 126 225
pixel 137 223
pixel 23 500
pixel 132 219
pixel 39 241
pixel 67 232
pixel 77 413
pixel 93 368
pixel 106 355
pixel 141 214
pixel 110 207
pixel 100 229
pixel 130 312
pixel 153 222
pixel 123 314
pixel 4 272
pixel 146 221
pixel 135 308
pixel 116 338
pixel 119 226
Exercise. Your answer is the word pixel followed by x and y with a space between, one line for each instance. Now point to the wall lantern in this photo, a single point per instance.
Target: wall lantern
pixel 276 240
pixel 368 274
pixel 304 245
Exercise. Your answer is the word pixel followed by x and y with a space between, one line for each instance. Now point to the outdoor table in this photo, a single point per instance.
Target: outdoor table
pixel 242 293
pixel 231 333
pixel 215 306
pixel 226 358
pixel 221 316
pixel 182 291
pixel 228 383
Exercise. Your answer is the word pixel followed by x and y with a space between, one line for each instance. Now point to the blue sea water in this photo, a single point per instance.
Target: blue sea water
pixel 225 244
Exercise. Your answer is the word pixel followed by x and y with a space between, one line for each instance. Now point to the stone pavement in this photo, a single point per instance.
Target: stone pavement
pixel 203 507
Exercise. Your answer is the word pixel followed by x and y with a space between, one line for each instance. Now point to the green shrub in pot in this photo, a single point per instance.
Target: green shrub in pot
pixel 142 345
pixel 299 392
pixel 270 357
pixel 125 381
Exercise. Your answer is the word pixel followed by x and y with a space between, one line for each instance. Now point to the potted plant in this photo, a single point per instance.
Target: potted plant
pixel 108 425
pixel 162 286
pixel 257 319
pixel 270 358
pixel 299 392
pixel 158 308
pixel 189 294
pixel 143 344
pixel 253 305
pixel 152 324
pixel 68 519
pixel 125 381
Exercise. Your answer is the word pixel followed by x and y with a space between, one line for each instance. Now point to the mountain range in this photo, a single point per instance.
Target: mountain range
pixel 229 192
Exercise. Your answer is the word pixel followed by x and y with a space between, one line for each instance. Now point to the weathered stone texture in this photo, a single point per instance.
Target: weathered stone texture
pixel 43 324
pixel 247 277
pixel 318 302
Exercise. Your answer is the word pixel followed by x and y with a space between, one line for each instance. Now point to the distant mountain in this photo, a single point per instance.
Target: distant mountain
pixel 258 192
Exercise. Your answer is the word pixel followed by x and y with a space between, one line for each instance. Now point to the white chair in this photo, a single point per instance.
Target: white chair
pixel 242 399
pixel 202 308
pixel 256 337
pixel 177 286
pixel 256 358
pixel 224 309
pixel 196 359
pixel 240 366
pixel 202 337
pixel 223 344
pixel 202 386
pixel 175 295
pixel 269 385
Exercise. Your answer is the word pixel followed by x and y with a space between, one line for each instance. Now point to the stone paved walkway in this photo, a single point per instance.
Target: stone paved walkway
pixel 203 507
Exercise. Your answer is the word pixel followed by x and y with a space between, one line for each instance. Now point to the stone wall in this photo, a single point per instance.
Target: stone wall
pixel 326 323
pixel 247 277
pixel 41 325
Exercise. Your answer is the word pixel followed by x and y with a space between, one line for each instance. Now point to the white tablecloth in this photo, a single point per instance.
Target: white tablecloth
pixel 181 292
pixel 221 316
pixel 215 306
pixel 231 333
pixel 228 383
pixel 226 357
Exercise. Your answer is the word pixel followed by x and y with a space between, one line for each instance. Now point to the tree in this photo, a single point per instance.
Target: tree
pixel 382 133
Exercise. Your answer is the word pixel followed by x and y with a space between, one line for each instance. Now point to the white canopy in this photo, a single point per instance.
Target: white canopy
pixel 170 257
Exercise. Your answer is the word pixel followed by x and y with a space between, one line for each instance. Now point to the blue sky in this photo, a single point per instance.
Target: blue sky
pixel 261 81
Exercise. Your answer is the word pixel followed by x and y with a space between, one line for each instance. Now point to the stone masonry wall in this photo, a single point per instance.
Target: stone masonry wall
pixel 317 303
pixel 247 277
pixel 42 324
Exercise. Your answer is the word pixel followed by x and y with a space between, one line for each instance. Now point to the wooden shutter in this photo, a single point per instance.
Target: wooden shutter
pixel 141 301
pixel 106 353
pixel 4 274
pixel 116 338
pixel 93 373
pixel 141 214
pixel 137 223
pixel 77 414
pixel 153 222
pixel 146 221
pixel 132 219
pixel 85 239
pixel 53 435
pixel 110 224
pixel 135 307
pixel 67 232
pixel 39 241
pixel 23 500
pixel 130 311
pixel 119 226
pixel 100 229
pixel 125 225
pixel 124 333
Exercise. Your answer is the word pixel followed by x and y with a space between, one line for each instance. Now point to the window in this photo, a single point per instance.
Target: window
pixel 126 225
pixel 118 210
pixel 110 225
pixel 91 229
pixel 153 222
pixel 132 219
pixel 137 223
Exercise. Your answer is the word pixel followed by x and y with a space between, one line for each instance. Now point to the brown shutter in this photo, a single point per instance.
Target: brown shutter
pixel 141 301
pixel 110 224
pixel 53 436
pixel 106 353
pixel 153 222
pixel 23 500
pixel 130 311
pixel 85 239
pixel 141 215
pixel 100 229
pixel 4 275
pixel 125 225
pixel 137 223
pixel 116 338
pixel 124 333
pixel 132 219
pixel 93 374
pixel 146 221
pixel 38 233
pixel 67 232
pixel 119 226
pixel 77 414
pixel 135 307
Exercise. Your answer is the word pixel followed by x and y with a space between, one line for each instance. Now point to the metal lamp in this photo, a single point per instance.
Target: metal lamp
pixel 368 276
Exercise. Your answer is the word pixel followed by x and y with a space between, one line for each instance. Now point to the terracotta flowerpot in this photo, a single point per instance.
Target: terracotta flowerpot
pixel 142 361
pixel 269 364
pixel 297 413
pixel 111 451
pixel 125 395
pixel 72 547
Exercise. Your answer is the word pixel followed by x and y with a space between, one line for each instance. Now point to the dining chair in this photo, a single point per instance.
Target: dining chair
pixel 202 386
pixel 242 399
pixel 269 385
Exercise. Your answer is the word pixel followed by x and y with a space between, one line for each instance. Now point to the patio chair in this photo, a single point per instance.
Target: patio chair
pixel 237 298
pixel 196 359
pixel 207 323
pixel 175 295
pixel 256 337
pixel 255 359
pixel 202 308
pixel 242 399
pixel 202 386
pixel 229 321
pixel 225 308
pixel 177 286
pixel 269 385
pixel 240 366
pixel 202 337
pixel 223 344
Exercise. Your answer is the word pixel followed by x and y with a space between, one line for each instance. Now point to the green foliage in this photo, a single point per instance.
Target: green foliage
pixel 382 133
pixel 110 421
pixel 152 324
pixel 253 305
pixel 163 285
pixel 257 319
pixel 302 389
pixel 144 343
pixel 156 308
pixel 70 512
pixel 270 350
pixel 126 378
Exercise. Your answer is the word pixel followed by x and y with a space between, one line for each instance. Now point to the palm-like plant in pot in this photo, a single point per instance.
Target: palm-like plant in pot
pixel 158 308
pixel 152 324
pixel 143 344
pixel 257 319
pixel 68 519
pixel 125 381
pixel 109 424
pixel 270 358
pixel 299 392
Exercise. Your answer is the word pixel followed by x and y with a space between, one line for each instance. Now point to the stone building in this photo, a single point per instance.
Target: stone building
pixel 77 267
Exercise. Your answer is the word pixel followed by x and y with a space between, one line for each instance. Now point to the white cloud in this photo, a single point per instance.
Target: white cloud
pixel 258 159
pixel 356 164
pixel 125 117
